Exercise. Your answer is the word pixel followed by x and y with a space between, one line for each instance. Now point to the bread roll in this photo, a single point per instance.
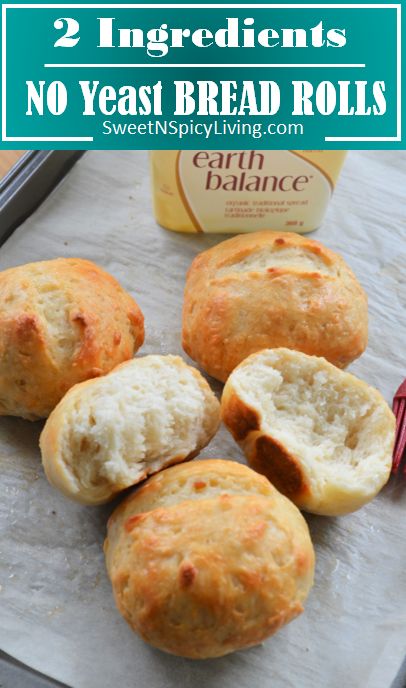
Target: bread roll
pixel 61 321
pixel 207 558
pixel 322 436
pixel 266 290
pixel 110 433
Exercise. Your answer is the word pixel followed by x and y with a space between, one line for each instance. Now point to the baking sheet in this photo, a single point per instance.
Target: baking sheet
pixel 56 609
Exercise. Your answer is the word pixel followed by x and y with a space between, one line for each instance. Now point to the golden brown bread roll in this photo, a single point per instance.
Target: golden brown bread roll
pixel 208 558
pixel 323 437
pixel 61 321
pixel 266 290
pixel 109 433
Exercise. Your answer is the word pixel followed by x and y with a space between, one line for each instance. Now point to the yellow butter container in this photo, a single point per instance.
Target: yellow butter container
pixel 243 190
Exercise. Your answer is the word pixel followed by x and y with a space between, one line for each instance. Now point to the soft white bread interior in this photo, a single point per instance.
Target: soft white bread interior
pixel 110 433
pixel 322 436
pixel 207 558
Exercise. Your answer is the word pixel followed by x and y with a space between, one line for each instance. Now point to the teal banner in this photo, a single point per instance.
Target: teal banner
pixel 183 75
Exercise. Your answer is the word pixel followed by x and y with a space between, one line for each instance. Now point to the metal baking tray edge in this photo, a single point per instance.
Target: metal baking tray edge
pixel 14 674
pixel 28 183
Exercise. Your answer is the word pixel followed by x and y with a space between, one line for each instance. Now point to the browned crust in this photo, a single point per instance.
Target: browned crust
pixel 88 349
pixel 227 317
pixel 271 459
pixel 104 324
pixel 136 318
pixel 227 589
pixel 187 574
pixel 243 245
pixel 131 522
pixel 239 418
pixel 28 333
pixel 152 485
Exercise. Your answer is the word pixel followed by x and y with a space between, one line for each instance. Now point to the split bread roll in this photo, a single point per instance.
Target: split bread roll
pixel 109 433
pixel 208 558
pixel 268 289
pixel 323 437
pixel 61 321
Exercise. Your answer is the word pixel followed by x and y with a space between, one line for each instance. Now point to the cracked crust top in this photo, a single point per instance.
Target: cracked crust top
pixel 208 558
pixel 268 289
pixel 61 321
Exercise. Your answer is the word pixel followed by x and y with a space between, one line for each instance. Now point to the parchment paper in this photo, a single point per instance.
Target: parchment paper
pixel 56 608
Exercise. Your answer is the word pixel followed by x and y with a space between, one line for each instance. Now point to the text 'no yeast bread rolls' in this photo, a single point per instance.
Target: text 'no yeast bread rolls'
pixel 207 558
pixel 109 433
pixel 322 436
pixel 267 290
pixel 61 321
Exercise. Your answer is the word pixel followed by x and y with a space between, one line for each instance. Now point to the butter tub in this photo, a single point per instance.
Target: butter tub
pixel 218 191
